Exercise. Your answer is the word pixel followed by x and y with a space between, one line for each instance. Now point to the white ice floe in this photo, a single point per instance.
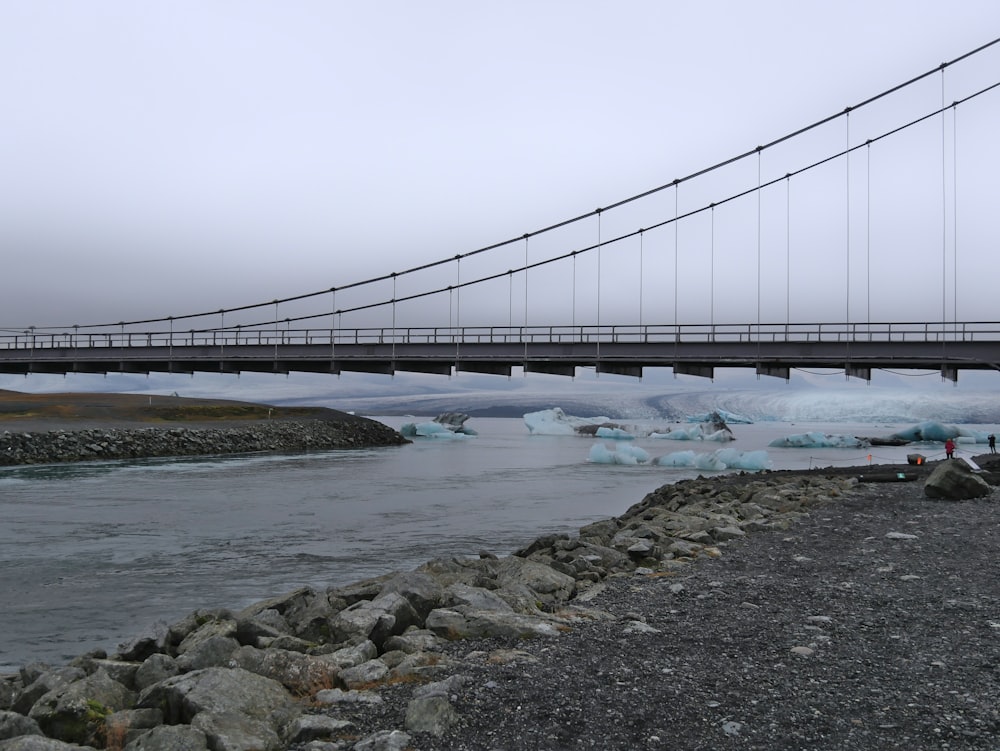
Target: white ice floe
pixel 556 422
pixel 702 432
pixel 430 429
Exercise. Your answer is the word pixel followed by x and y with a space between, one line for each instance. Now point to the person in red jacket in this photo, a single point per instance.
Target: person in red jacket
pixel 949 448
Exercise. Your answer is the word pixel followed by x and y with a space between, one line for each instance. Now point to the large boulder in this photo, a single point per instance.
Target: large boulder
pixel 235 708
pixel 954 480
pixel 301 674
pixel 77 713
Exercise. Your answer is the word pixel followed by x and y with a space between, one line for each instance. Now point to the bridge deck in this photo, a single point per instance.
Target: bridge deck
pixel 693 355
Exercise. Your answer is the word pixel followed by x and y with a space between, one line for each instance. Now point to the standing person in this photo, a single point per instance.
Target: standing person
pixel 949 448
pixel 993 443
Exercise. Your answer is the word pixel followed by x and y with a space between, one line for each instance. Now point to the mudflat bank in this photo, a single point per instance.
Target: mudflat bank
pixel 784 610
pixel 49 428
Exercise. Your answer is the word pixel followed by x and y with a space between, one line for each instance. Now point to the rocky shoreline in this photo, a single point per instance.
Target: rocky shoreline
pixel 55 446
pixel 528 650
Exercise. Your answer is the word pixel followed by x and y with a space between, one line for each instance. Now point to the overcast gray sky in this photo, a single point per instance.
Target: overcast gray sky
pixel 159 158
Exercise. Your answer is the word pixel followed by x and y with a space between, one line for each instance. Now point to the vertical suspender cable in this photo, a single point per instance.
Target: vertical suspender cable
pixel 573 298
pixel 524 334
pixel 954 211
pixel 868 235
pixel 711 277
pixel 393 364
pixel 458 308
pixel 788 249
pixel 510 301
pixel 758 245
pixel 640 278
pixel 597 366
pixel 944 210
pixel 333 327
pixel 677 188
pixel 847 202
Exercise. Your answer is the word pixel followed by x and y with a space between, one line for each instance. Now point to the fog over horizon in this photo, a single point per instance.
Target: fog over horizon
pixel 164 158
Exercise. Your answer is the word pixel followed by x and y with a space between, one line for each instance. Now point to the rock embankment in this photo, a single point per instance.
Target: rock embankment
pixel 371 666
pixel 133 443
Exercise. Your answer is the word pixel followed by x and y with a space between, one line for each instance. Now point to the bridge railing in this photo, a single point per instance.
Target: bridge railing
pixel 43 339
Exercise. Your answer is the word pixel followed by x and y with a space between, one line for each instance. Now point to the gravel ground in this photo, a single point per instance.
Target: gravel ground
pixel 874 623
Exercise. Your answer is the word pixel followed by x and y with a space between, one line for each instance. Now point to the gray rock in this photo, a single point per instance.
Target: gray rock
pixel 13 724
pixel 214 651
pixel 550 586
pixel 41 684
pixel 235 731
pixel 474 597
pixel 453 623
pixel 221 691
pixel 77 713
pixel 312 727
pixel 955 481
pixel 414 640
pixel 365 674
pixel 301 674
pixel 384 740
pixel 432 714
pixel 375 620
pixel 39 743
pixel 156 668
pixel 210 631
pixel 349 657
pixel 170 738
pixel 127 725
pixel 421 590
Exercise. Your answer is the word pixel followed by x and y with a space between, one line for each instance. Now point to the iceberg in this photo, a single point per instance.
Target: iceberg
pixel 720 415
pixel 616 434
pixel 937 432
pixel 430 429
pixel 754 460
pixel 716 460
pixel 816 440
pixel 556 422
pixel 625 454
pixel 696 433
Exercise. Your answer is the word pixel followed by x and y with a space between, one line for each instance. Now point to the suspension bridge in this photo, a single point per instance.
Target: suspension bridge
pixel 853 243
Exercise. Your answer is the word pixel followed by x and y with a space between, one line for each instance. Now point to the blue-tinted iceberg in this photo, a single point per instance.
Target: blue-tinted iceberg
pixel 430 429
pixel 615 434
pixel 937 432
pixel 818 440
pixel 717 460
pixel 623 454
pixel 720 414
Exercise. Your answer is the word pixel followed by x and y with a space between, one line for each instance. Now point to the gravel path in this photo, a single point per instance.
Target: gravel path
pixel 874 623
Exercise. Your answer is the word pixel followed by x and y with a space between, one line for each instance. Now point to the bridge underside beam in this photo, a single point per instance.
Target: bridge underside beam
pixel 619 368
pixel 552 368
pixel 777 371
pixel 489 368
pixel 854 371
pixel 694 369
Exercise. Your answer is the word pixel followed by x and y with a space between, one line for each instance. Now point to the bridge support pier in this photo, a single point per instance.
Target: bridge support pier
pixel 774 370
pixel 704 371
pixel 856 372
pixel 950 374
